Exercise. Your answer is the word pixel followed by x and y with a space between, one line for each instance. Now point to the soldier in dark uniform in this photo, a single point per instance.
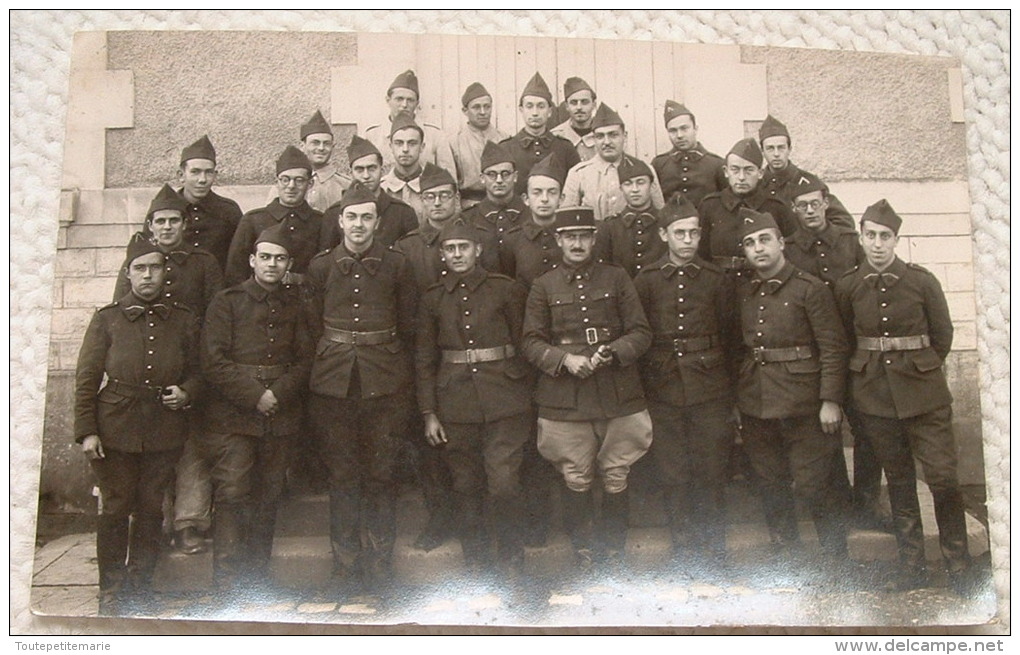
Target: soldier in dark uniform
pixel 791 383
pixel 535 142
pixel 584 329
pixel 501 210
pixel 138 372
pixel 256 354
pixel 902 331
pixel 303 224
pixel 689 378
pixel 629 239
pixel 210 219
pixel 474 391
pixel 192 278
pixel 720 221
pixel 688 168
pixel 363 313
pixel 396 218
pixel 779 178
pixel 530 249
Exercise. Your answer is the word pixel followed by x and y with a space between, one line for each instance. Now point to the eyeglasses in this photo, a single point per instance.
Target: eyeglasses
pixel 429 196
pixel 804 206
pixel 286 180
pixel 499 175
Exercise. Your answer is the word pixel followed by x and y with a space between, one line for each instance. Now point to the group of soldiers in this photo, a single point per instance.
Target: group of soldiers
pixel 506 308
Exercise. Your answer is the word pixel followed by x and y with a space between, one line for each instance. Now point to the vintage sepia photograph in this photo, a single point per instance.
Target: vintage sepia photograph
pixel 508 330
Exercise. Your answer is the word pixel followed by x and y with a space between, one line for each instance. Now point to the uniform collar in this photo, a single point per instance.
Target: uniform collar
pixel 533 230
pixel 370 260
pixel 891 275
pixel 829 236
pixel 279 212
pixel 669 269
pixel 571 272
pixel 324 173
pixel 472 279
pixel 133 307
pixel 697 152
pixel 772 284
pixel 629 216
pixel 430 234
pixel 394 184
pixel 181 252
pixel 527 140
pixel 486 207
pixel 789 173
pixel 753 200
pixel 257 291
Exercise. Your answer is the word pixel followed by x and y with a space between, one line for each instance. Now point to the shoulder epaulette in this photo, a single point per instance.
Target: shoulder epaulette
pixel 115 303
pixel 712 266
pixel 918 267
pixel 321 254
pixel 182 307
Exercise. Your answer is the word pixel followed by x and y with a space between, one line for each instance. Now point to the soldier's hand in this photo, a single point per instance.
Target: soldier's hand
pixel 831 416
pixel 175 398
pixel 268 404
pixel 434 432
pixel 578 365
pixel 93 447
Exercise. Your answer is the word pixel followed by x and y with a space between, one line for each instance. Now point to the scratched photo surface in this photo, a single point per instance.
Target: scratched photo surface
pixel 871 125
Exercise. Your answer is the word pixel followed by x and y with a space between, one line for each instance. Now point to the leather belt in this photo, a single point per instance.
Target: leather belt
pixel 691 345
pixel 731 263
pixel 765 355
pixel 361 338
pixel 589 336
pixel 885 344
pixel 474 355
pixel 142 391
pixel 265 372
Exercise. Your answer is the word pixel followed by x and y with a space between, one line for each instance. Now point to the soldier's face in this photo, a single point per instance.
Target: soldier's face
pixel 167 225
pixel 682 237
pixel 777 152
pixel 581 106
pixel 609 140
pixel 544 196
pixel 358 223
pixel 879 243
pixel 810 210
pixel 637 191
pixel 499 180
pixel 146 274
pixel 460 255
pixel 576 245
pixel 269 263
pixel 479 112
pixel 406 145
pixel 402 101
pixel 742 175
pixel 292 185
pixel 764 250
pixel 535 111
pixel 318 148
pixel 197 177
pixel 368 171
pixel 440 202
pixel 682 132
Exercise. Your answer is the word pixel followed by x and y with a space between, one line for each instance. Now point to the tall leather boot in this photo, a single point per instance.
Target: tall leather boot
pixel 906 516
pixel 229 548
pixel 577 520
pixel 146 538
pixel 507 519
pixel 615 515
pixel 111 556
pixel 345 534
pixel 380 535
pixel 952 522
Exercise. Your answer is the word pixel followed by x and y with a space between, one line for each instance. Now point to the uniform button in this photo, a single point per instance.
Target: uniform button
pixel 356 305
pixel 759 334
pixel 464 298
pixel 584 320
pixel 166 295
pixel 888 361
pixel 151 338
pixel 357 290
pixel 885 304
pixel 356 319
pixel 584 309
pixel 169 282
pixel 679 354
pixel 821 254
pixel 269 356
pixel 680 300
pixel 680 286
pixel 583 296
pixel 467 327
pixel 471 341
pixel 151 352
pixel 761 320
pixel 885 318
pixel 885 334
pixel 679 315
pixel 357 276
pixel 271 340
pixel 680 327
pixel 149 366
pixel 467 312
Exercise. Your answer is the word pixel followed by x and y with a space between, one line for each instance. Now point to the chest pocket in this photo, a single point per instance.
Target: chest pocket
pixel 599 306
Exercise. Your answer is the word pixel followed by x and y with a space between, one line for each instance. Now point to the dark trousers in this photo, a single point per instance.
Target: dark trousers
pixel 867 471
pixel 485 460
pixel 132 486
pixel 794 453
pixel 691 449
pixel 929 439
pixel 360 448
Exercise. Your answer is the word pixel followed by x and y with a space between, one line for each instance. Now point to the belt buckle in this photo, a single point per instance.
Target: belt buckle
pixel 591 335
pixel 354 338
pixel 759 354
pixel 469 355
pixel 883 342
pixel 678 345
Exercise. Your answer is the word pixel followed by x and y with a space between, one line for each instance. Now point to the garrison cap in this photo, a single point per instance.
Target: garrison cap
pixel 807 183
pixel 167 198
pixel 575 218
pixel 752 221
pixel 552 167
pixel 356 194
pixel 458 229
pixel 474 91
pixel 772 127
pixel 747 149
pixel 316 125
pixel 402 122
pixel 575 84
pixel 606 116
pixel 292 158
pixel 883 214
pixel 674 109
pixel 277 234
pixel 677 208
pixel 406 80
pixel 493 154
pixel 633 167
pixel 138 246
pixel 359 148
pixel 201 149
pixel 537 87
pixel 433 176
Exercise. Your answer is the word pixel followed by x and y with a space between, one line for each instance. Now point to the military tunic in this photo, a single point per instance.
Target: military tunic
pixel 695 173
pixel 827 255
pixel 436 147
pixel 328 186
pixel 396 219
pixel 210 225
pixel 782 185
pixel 527 150
pixel 528 251
pixel 596 183
pixel 499 218
pixel 424 253
pixel 193 277
pixel 720 224
pixel 303 226
pixel 630 239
